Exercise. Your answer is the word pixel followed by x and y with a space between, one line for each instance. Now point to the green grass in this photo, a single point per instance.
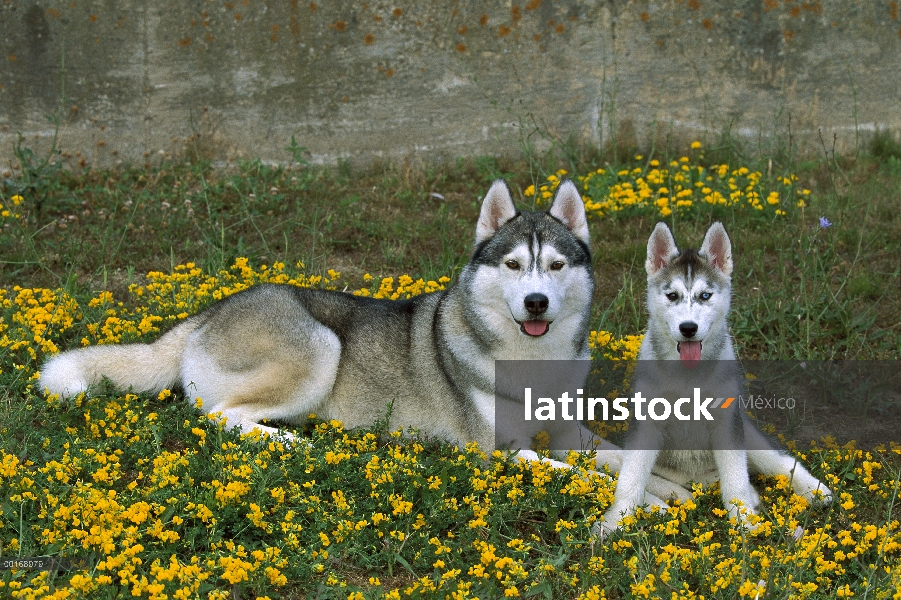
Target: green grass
pixel 801 291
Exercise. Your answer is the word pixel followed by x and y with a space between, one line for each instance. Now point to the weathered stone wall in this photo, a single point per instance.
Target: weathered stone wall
pixel 135 79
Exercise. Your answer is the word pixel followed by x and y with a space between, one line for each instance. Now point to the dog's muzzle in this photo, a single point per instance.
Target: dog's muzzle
pixel 537 304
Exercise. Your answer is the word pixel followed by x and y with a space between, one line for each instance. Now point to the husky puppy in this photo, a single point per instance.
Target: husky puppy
pixel 688 300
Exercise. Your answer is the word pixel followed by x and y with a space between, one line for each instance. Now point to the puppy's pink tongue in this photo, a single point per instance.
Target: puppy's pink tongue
pixel 690 353
pixel 535 327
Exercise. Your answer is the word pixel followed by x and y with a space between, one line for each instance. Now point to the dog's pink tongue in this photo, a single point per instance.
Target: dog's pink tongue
pixel 690 353
pixel 535 327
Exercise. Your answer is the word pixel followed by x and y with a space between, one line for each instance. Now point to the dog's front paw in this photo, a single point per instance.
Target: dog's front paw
pixel 664 488
pixel 615 515
pixel 748 519
pixel 745 511
pixel 291 440
pixel 815 492
pixel 532 456
pixel 610 524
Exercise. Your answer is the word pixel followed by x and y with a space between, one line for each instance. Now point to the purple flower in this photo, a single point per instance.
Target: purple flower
pixel 824 222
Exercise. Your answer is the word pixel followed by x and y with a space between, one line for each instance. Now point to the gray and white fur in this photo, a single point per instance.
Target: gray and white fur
pixel 278 352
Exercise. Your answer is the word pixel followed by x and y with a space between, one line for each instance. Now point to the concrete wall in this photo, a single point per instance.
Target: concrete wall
pixel 438 78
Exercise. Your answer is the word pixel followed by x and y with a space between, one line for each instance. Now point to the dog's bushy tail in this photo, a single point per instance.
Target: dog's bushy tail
pixel 141 367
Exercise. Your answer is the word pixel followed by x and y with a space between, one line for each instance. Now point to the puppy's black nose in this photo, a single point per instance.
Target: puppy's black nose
pixel 688 328
pixel 536 303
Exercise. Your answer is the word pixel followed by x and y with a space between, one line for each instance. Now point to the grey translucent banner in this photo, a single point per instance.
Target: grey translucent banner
pixel 707 405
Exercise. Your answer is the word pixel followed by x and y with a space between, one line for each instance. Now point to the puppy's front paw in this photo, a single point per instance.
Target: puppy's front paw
pixel 745 512
pixel 610 524
pixel 815 492
pixel 666 489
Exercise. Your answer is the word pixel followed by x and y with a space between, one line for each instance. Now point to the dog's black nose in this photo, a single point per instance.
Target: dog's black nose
pixel 688 328
pixel 536 303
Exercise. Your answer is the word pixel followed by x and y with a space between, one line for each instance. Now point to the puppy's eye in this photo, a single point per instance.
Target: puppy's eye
pixel 672 296
pixel 705 296
pixel 512 264
pixel 557 265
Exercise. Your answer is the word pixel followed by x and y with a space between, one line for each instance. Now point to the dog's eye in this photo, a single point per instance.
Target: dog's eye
pixel 672 296
pixel 512 264
pixel 557 265
pixel 705 296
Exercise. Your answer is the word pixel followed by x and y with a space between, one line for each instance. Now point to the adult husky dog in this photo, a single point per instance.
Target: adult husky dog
pixel 688 302
pixel 281 352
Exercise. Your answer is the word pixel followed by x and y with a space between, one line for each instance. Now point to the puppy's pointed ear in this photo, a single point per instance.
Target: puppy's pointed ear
pixel 497 209
pixel 661 249
pixel 569 208
pixel 717 248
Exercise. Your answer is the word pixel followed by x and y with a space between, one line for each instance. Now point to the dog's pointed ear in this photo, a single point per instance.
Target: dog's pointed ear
pixel 570 210
pixel 717 248
pixel 497 209
pixel 661 248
